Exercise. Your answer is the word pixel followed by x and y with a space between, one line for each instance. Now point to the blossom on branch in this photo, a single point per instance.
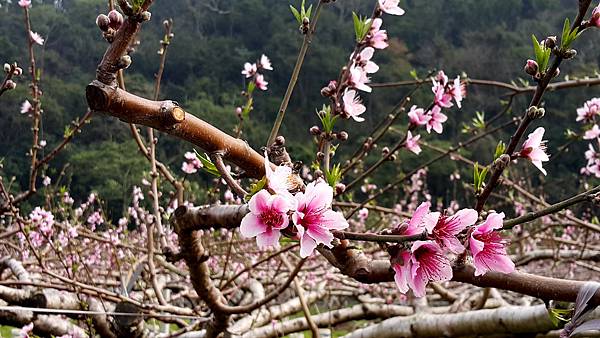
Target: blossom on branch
pixel 377 37
pixel 488 248
pixel 436 118
pixel 444 228
pixel 25 4
pixel 191 163
pixel 534 149
pixel 424 263
pixel 35 37
pixel 592 133
pixel 265 63
pixel 391 7
pixel 589 111
pixel 314 218
pixel 417 116
pixel 249 69
pixel 267 217
pixel 353 105
pixel 412 143
pixel 261 83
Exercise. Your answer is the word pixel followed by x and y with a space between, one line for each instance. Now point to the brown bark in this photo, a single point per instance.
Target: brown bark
pixel 168 117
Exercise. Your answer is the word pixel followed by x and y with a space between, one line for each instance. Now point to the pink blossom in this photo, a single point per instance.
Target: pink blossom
pixel 535 149
pixel 25 4
pixel 436 119
pixel 589 111
pixel 446 228
pixel 595 19
pixel 441 78
pixel 425 262
pixel 377 38
pixel 260 82
pixel 391 7
pixel 192 163
pixel 279 181
pixel 35 37
pixel 358 79
pixel 364 60
pixel 265 63
pixel 363 214
pixel 592 133
pixel 314 218
pixel 43 143
pixel 412 143
pixel 416 225
pixel 417 116
pixel 25 331
pixel 267 216
pixel 353 105
pixel 488 248
pixel 94 220
pixel 46 181
pixel 26 107
pixel 441 98
pixel 42 220
pixel 458 90
pixel 249 69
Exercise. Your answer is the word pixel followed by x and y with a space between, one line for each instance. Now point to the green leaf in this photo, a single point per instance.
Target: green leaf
pixel 308 12
pixel 476 176
pixel 357 25
pixel 207 164
pixel 333 175
pixel 255 187
pixel 565 34
pixel 413 74
pixel 500 148
pixel 327 119
pixel 296 14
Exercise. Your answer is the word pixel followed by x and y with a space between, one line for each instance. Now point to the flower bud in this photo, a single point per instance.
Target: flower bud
pixel 146 16
pixel 6 68
pixel 315 130
pixel 571 53
pixel 18 71
pixel 531 67
pixel 501 162
pixel 10 84
pixel 124 62
pixel 318 173
pixel 320 156
pixel 103 22
pixel 238 111
pixel 392 157
pixel 166 23
pixel 340 188
pixel 385 151
pixel 280 140
pixel 115 19
pixel 342 136
pixel 330 89
pixel 550 42
pixel 595 20
pixel 535 113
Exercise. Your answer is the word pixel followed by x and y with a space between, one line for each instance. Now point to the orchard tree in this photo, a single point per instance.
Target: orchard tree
pixel 286 246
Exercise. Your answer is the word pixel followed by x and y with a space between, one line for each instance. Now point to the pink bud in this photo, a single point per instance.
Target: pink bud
pixel 10 84
pixel 103 22
pixel 116 19
pixel 595 20
pixel 531 67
